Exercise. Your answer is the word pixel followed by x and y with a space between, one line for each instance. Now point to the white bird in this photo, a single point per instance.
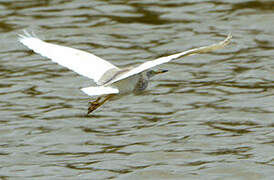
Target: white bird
pixel 110 79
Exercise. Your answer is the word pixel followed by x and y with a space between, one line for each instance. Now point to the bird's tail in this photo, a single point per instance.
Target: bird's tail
pixel 100 90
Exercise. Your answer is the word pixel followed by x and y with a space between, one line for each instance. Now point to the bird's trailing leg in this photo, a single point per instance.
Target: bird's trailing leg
pixel 97 103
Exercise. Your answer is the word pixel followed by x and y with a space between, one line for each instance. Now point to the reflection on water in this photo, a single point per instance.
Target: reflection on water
pixel 210 116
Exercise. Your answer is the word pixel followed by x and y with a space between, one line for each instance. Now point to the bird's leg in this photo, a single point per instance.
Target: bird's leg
pixel 95 102
pixel 94 105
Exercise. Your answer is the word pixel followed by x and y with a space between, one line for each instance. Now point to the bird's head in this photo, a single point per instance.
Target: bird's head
pixel 152 73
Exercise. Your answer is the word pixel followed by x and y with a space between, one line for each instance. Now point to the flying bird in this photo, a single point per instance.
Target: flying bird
pixel 110 79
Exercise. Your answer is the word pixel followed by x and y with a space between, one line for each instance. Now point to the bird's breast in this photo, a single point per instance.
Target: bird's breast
pixel 129 84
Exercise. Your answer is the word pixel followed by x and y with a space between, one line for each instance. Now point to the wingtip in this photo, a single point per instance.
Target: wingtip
pixel 229 35
pixel 26 35
pixel 226 41
pixel 228 38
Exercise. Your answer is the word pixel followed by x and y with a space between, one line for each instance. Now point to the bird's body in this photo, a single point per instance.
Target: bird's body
pixel 131 84
pixel 135 83
pixel 110 79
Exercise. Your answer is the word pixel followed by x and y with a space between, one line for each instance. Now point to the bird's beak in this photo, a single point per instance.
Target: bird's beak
pixel 160 71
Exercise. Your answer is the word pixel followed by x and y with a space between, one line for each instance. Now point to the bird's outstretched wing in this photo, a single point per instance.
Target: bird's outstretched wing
pixel 150 64
pixel 81 62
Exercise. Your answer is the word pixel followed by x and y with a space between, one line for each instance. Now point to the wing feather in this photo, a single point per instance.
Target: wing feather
pixel 100 90
pixel 153 63
pixel 81 62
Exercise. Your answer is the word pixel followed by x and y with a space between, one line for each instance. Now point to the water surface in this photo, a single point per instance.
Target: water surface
pixel 210 117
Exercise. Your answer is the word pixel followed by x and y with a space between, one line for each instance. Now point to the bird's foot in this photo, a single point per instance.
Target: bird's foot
pixel 97 103
pixel 92 106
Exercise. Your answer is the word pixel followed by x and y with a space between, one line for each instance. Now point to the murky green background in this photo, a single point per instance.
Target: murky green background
pixel 210 117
